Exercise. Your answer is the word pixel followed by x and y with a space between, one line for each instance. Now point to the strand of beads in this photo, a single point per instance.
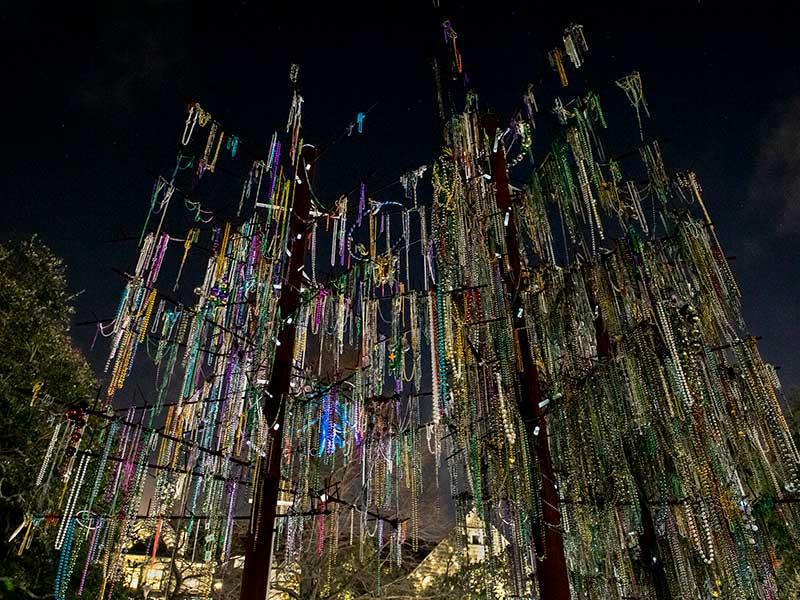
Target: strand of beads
pixel 89 554
pixel 632 86
pixel 63 569
pixel 48 456
pixel 72 499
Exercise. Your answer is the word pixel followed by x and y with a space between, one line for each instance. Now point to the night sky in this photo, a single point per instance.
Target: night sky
pixel 94 101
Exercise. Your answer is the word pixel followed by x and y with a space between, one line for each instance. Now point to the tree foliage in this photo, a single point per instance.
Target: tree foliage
pixel 37 353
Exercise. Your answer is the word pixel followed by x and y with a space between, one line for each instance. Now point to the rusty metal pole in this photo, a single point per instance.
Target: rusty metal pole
pixel 651 559
pixel 551 565
pixel 258 551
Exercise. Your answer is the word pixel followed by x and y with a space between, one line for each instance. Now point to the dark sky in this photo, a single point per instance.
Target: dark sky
pixel 94 99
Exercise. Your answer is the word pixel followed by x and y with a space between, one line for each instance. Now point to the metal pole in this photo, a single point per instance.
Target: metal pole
pixel 258 551
pixel 551 565
pixel 648 541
